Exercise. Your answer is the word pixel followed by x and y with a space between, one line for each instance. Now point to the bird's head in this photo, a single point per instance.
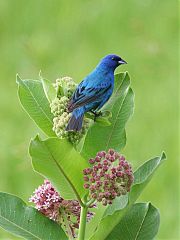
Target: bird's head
pixel 112 61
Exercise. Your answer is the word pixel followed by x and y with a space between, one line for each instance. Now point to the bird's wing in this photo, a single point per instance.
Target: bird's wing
pixel 85 95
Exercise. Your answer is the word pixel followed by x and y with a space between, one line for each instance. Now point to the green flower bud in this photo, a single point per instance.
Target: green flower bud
pixel 58 106
pixel 65 86
pixel 60 123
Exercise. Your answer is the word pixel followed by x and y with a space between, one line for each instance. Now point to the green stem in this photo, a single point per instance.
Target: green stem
pixel 88 204
pixel 82 226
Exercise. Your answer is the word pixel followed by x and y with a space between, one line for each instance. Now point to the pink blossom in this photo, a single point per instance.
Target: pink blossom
pixel 48 201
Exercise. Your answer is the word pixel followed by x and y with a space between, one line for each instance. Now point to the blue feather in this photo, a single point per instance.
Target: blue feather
pixel 94 91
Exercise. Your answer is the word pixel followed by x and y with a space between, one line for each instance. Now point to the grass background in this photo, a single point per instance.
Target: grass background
pixel 68 38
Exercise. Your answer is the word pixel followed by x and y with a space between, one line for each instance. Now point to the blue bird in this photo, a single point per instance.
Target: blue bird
pixel 93 92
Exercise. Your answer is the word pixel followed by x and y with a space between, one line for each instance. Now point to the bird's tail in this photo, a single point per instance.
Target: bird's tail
pixel 76 120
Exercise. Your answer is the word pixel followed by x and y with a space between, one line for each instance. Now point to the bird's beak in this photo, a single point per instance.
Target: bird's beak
pixel 122 62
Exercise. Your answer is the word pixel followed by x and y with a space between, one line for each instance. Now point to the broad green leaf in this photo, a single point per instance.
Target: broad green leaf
pixel 142 177
pixel 35 103
pixel 121 106
pixel 58 161
pixel 19 219
pixel 118 203
pixel 49 90
pixel 141 222
pixel 91 226
pixel 102 211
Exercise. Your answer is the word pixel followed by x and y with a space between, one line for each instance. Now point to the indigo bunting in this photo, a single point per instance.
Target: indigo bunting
pixel 94 91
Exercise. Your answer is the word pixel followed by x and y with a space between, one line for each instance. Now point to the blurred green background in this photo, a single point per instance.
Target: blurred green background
pixel 68 38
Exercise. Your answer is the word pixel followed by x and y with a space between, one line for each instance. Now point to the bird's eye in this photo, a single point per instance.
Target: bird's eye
pixel 113 58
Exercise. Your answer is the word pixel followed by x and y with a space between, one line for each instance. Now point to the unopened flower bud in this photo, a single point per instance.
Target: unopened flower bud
pixel 97 159
pixel 122 158
pixel 105 162
pixel 85 172
pixel 99 165
pixel 92 188
pixel 109 180
pixel 92 180
pixel 105 168
pixel 92 161
pixel 95 168
pixel 94 195
pixel 101 154
pixel 86 178
pixel 112 158
pixel 86 185
pixel 111 151
pixel 99 183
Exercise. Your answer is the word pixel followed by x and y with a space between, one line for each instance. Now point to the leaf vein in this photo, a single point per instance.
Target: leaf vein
pixel 42 110
pixel 6 219
pixel 141 225
pixel 65 175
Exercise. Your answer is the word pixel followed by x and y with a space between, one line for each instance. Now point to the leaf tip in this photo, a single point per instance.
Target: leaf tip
pixel 163 156
pixel 18 79
pixel 126 75
pixel 37 138
pixel 40 75
pixel 33 142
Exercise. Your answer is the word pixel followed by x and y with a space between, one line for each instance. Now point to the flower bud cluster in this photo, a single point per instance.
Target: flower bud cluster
pixel 48 201
pixel 61 115
pixel 58 105
pixel 59 125
pixel 67 84
pixel 109 176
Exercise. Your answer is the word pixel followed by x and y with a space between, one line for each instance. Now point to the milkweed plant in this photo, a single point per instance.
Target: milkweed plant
pixel 89 189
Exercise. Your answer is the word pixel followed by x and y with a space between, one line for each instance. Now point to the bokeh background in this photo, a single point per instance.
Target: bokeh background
pixel 68 38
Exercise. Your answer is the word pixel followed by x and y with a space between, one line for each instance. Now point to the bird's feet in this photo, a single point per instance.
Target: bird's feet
pixel 96 114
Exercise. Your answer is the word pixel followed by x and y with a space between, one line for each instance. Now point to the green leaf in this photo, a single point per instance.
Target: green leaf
pixel 118 203
pixel 49 90
pixel 102 211
pixel 142 177
pixel 19 219
pixel 92 225
pixel 103 121
pixel 140 222
pixel 58 161
pixel 121 106
pixel 35 103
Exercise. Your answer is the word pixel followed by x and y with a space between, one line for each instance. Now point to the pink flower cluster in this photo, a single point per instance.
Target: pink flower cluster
pixel 109 177
pixel 48 201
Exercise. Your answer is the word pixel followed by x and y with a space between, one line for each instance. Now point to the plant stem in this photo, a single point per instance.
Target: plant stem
pixel 88 204
pixel 82 226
